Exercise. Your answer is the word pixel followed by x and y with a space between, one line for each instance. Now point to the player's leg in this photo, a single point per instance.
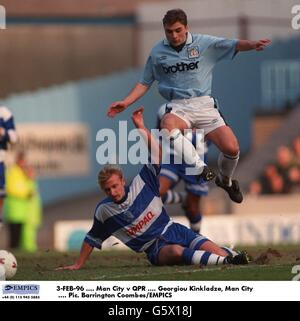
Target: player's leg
pixel 174 254
pixel 167 194
pixel 170 255
pixel 192 205
pixel 212 255
pixel 209 253
pixel 204 251
pixel 180 245
pixel 165 184
pixel 232 256
pixel 224 138
pixel 212 247
pixel 29 238
pixel 181 145
pixel 177 254
pixel 192 211
pixel 168 179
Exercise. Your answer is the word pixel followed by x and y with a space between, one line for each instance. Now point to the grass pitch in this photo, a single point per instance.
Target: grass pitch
pixel 269 263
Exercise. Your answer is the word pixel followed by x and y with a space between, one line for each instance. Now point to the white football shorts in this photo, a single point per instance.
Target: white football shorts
pixel 198 112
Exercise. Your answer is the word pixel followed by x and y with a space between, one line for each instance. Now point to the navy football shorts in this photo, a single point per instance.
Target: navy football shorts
pixel 175 234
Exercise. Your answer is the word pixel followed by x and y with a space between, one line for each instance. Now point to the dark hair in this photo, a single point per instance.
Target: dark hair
pixel 175 15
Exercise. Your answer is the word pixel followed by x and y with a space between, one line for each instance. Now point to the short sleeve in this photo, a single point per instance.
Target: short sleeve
pixel 148 75
pixel 222 48
pixel 97 234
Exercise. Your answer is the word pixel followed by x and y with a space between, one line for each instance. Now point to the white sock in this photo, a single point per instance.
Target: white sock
pixel 173 197
pixel 227 165
pixel 196 227
pixel 182 146
pixel 229 250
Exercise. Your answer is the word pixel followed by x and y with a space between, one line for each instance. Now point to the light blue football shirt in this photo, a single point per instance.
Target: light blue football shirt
pixel 188 73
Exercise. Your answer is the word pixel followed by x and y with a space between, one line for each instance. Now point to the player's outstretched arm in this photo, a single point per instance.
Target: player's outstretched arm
pixel 153 146
pixel 246 45
pixel 118 106
pixel 85 252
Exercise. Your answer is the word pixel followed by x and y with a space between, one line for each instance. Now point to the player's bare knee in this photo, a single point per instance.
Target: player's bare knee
pixel 176 251
pixel 232 150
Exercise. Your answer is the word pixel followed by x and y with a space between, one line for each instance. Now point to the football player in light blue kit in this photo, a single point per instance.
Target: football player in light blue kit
pixel 136 216
pixel 182 64
pixel 8 136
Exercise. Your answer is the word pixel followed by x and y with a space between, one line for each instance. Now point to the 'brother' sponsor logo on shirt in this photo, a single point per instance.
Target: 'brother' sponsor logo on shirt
pixel 181 67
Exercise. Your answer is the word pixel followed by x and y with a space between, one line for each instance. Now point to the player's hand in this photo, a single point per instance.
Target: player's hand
pixel 137 117
pixel 69 267
pixel 115 108
pixel 261 44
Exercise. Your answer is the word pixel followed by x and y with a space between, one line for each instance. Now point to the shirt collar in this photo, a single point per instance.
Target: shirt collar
pixel 189 39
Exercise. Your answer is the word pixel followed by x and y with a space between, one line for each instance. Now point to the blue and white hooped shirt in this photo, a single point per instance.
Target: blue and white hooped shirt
pixel 138 220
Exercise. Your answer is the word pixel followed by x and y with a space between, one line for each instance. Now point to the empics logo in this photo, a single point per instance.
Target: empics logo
pixel 2 17
pixel 21 289
pixel 296 18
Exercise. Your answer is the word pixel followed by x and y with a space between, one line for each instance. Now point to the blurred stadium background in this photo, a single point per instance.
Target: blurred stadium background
pixel 63 62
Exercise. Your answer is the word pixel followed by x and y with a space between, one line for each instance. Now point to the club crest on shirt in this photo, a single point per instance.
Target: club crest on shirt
pixel 193 52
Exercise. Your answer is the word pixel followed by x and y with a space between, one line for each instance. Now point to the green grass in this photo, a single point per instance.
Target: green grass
pixel 127 265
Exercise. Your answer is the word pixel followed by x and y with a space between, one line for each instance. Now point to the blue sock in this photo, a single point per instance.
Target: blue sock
pixel 187 255
pixel 194 218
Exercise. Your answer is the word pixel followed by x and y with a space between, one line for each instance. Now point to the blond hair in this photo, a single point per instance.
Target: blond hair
pixel 106 172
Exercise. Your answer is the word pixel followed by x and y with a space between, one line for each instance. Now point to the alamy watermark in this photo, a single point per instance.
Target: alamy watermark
pixel 129 147
pixel 296 18
pixel 2 17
